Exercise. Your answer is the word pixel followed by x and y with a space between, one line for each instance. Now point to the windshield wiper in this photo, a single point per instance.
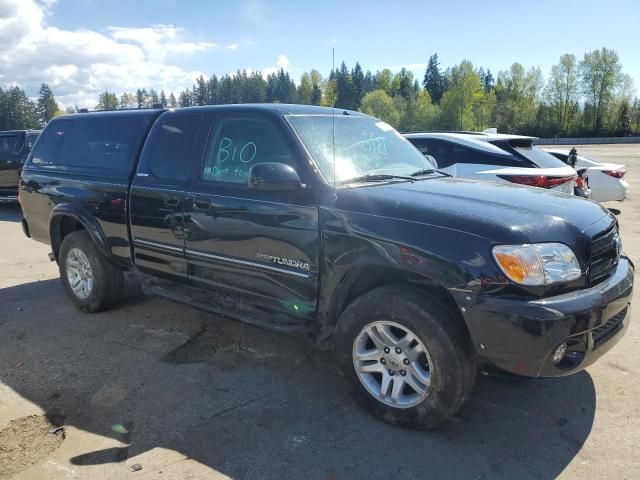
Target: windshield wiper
pixel 377 177
pixel 428 171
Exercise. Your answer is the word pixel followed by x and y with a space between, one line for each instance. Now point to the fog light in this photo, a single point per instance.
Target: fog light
pixel 558 355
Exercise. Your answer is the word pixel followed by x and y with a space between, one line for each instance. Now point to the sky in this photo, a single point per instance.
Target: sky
pixel 83 47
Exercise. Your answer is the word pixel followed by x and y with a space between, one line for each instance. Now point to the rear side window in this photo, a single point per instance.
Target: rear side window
pixel 449 153
pixel 238 143
pixel 173 144
pixel 468 155
pixel 108 142
pixel 11 143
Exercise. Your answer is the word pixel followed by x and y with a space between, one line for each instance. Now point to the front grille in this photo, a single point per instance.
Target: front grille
pixel 604 255
pixel 605 331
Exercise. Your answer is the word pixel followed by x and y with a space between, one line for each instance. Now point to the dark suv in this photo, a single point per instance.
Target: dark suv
pixel 332 225
pixel 15 145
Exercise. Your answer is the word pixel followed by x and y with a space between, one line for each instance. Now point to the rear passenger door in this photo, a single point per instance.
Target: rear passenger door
pixel 157 197
pixel 256 244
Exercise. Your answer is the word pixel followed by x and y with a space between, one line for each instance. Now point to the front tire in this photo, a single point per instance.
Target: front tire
pixel 90 280
pixel 406 357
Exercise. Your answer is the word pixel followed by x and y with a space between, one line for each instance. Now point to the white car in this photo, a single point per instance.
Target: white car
pixel 492 156
pixel 605 179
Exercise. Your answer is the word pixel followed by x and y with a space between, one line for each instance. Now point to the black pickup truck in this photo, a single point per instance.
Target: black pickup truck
pixel 15 145
pixel 332 225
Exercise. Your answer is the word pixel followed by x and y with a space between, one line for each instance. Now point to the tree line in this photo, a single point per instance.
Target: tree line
pixel 587 97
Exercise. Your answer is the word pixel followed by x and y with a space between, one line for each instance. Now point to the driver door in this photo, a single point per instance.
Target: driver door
pixel 261 245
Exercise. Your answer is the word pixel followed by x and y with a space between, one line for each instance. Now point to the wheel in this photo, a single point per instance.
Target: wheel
pixel 90 280
pixel 406 358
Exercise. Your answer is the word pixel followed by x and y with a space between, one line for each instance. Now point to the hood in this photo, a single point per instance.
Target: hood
pixel 500 212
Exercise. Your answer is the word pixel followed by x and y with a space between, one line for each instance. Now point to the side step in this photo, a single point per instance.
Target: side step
pixel 227 305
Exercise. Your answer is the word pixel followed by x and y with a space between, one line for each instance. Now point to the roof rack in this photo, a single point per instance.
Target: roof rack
pixel 465 132
pixel 155 106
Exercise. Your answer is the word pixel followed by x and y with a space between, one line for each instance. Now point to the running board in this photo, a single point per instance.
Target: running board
pixel 224 304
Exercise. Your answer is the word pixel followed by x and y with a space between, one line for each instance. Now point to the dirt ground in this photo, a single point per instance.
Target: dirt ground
pixel 155 390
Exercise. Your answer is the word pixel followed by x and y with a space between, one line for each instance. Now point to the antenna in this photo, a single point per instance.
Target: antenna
pixel 333 111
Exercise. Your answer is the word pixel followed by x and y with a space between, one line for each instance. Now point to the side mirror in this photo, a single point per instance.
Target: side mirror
pixel 274 177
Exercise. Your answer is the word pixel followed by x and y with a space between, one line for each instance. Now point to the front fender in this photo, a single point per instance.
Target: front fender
pixel 362 251
pixel 82 216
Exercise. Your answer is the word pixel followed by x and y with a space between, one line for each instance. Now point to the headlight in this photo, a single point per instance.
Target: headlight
pixel 537 264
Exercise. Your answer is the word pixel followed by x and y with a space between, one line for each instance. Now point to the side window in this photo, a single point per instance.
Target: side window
pixel 440 151
pixel 46 153
pixel 238 143
pixel 470 155
pixel 173 145
pixel 10 143
pixel 423 146
pixel 105 142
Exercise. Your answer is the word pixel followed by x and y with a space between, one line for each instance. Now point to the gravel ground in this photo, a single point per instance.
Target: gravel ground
pixel 155 390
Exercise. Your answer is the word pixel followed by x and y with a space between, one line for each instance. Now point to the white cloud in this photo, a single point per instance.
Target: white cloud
pixel 282 62
pixel 79 64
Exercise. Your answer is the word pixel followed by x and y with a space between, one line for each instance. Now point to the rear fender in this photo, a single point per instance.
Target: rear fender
pixel 83 217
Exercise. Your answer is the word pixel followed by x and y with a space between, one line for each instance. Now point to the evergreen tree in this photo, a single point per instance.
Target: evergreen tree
pixel 153 98
pixel 47 105
pixel 434 82
pixel 624 119
pixel 316 91
pixel 163 98
pixel 17 111
pixel 403 84
pixel 489 83
pixel 369 83
pixel 142 98
pixel 200 92
pixel 358 86
pixel 172 101
pixel 344 88
pixel 184 99
pixel 212 90
pixel 316 94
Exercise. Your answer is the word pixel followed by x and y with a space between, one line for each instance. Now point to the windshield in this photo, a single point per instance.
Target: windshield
pixel 363 146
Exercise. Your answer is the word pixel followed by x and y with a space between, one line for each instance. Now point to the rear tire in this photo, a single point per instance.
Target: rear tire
pixel 396 334
pixel 89 279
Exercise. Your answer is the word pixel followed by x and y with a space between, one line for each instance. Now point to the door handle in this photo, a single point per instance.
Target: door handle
pixel 201 204
pixel 171 201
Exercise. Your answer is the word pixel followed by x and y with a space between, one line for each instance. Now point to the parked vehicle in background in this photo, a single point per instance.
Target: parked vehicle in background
pixel 605 179
pixel 297 219
pixel 15 145
pixel 492 156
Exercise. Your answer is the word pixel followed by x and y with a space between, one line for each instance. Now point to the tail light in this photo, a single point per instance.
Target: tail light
pixel 614 173
pixel 542 181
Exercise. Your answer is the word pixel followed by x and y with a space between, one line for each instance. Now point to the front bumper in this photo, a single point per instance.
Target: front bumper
pixel 520 336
